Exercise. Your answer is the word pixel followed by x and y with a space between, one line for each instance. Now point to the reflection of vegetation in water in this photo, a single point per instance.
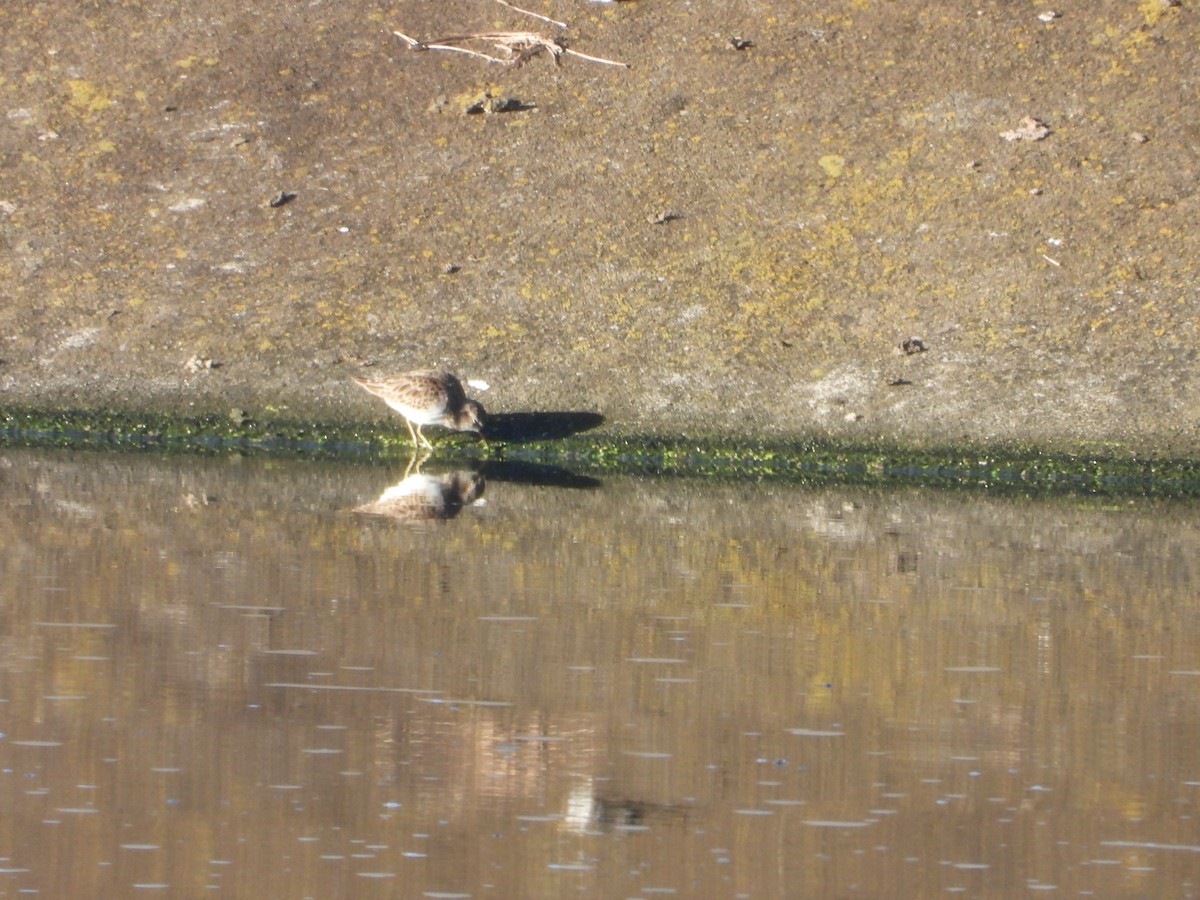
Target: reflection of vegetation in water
pixel 1008 469
pixel 655 663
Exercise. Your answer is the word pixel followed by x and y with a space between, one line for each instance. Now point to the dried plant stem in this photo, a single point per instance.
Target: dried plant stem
pixel 414 44
pixel 535 15
pixel 595 59
pixel 518 47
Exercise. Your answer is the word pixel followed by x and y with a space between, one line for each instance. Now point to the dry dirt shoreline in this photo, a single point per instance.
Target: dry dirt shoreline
pixel 715 240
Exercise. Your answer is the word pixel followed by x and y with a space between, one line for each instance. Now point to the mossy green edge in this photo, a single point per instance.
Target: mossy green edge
pixel 1021 470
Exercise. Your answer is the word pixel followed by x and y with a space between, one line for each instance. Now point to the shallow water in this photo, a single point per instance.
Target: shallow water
pixel 227 675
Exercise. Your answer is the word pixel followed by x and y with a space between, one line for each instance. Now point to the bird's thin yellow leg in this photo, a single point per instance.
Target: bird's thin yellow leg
pixel 424 440
pixel 415 461
pixel 412 433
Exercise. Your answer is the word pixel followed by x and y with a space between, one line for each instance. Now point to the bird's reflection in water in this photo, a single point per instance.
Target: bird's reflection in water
pixel 418 497
pixel 594 813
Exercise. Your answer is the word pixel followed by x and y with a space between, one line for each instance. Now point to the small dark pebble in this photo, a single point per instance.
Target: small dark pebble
pixel 913 345
pixel 281 198
pixel 489 104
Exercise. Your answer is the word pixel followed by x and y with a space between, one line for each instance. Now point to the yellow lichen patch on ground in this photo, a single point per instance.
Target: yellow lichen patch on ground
pixel 189 62
pixel 832 165
pixel 87 97
pixel 1153 10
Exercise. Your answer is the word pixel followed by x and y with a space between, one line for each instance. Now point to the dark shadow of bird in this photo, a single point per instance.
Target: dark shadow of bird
pixel 535 474
pixel 520 428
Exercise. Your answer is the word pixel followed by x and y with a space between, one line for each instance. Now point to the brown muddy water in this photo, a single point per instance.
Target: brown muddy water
pixel 264 678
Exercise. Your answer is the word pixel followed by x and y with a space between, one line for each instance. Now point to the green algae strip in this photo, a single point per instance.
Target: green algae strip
pixel 813 462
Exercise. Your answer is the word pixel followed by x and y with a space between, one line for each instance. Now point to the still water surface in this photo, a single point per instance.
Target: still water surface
pixel 298 679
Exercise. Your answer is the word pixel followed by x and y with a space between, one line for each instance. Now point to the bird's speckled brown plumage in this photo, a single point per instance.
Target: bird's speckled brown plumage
pixel 426 397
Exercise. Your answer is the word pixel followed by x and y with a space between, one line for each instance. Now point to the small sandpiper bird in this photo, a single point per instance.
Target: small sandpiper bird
pixel 426 397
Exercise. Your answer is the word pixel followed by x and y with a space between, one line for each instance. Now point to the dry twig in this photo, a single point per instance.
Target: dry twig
pixel 517 47
pixel 535 15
